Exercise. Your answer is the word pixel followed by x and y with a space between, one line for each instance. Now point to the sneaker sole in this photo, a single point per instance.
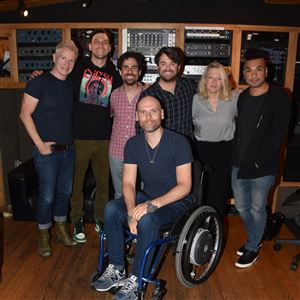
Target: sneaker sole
pixel 120 284
pixel 243 266
pixel 80 241
pixel 239 253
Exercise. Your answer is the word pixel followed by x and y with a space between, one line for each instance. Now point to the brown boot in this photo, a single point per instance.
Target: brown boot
pixel 63 234
pixel 44 249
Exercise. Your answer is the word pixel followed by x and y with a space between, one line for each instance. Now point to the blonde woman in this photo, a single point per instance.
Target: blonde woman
pixel 214 111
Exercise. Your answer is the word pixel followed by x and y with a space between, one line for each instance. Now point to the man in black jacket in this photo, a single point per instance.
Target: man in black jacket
pixel 263 118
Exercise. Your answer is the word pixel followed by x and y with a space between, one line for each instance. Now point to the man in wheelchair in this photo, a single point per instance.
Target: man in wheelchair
pixel 163 159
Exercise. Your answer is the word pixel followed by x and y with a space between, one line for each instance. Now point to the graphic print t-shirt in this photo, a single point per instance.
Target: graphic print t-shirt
pixel 91 119
pixel 95 87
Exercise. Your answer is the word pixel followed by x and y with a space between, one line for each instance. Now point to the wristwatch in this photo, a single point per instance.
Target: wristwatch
pixel 129 219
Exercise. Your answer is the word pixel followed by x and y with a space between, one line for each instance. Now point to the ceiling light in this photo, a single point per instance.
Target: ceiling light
pixel 22 9
pixel 85 3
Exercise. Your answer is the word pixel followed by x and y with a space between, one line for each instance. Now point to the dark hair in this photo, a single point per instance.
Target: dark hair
pixel 174 53
pixel 139 57
pixel 105 31
pixel 255 53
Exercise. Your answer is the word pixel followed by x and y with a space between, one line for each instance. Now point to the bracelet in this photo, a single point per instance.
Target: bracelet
pixel 151 207
pixel 129 219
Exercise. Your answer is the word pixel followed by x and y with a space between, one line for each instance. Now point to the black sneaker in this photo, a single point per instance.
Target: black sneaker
pixel 247 259
pixel 78 231
pixel 242 249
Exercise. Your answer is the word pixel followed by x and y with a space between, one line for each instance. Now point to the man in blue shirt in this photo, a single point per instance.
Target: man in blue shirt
pixel 163 159
pixel 46 113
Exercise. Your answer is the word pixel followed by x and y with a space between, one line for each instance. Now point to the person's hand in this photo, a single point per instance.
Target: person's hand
pixel 45 148
pixel 132 226
pixel 36 73
pixel 139 211
pixel 238 90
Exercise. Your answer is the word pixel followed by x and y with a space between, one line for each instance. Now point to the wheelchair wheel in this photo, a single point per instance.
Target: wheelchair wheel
pixel 199 246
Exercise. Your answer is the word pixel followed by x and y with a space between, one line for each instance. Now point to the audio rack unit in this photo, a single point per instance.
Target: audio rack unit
pixel 35 48
pixel 203 45
pixel 148 42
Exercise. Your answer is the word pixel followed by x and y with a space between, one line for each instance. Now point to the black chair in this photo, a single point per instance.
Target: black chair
pixel 292 202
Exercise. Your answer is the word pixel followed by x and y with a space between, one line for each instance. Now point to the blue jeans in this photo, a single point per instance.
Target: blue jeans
pixel 116 171
pixel 115 221
pixel 250 201
pixel 55 175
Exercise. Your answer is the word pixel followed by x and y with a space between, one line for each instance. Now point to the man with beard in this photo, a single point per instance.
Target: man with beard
pixel 163 159
pixel 122 106
pixel 262 122
pixel 175 92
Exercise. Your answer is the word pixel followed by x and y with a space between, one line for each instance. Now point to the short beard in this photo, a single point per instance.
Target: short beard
pixel 172 79
pixel 152 129
pixel 130 83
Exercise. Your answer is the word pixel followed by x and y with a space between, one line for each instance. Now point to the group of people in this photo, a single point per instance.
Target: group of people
pixel 237 134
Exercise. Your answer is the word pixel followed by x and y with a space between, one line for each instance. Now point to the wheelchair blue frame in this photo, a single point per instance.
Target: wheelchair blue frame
pixel 199 239
pixel 198 236
pixel 162 243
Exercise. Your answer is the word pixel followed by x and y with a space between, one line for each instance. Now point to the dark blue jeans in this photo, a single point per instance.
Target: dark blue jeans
pixel 55 174
pixel 115 221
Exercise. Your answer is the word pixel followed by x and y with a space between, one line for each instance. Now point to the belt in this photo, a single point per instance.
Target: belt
pixel 61 147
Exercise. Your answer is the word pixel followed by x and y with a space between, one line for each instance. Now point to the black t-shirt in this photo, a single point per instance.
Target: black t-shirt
pixel 158 177
pixel 248 120
pixel 93 86
pixel 53 114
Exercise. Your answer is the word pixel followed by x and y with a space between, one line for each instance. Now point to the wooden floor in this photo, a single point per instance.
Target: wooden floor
pixel 66 275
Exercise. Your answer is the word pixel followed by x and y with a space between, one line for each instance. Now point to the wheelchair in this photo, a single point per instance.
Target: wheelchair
pixel 196 239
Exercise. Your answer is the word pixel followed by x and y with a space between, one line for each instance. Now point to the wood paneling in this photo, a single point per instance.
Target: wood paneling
pixel 7 34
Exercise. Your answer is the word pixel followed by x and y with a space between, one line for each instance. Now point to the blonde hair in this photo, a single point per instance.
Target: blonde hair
pixel 69 45
pixel 225 93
